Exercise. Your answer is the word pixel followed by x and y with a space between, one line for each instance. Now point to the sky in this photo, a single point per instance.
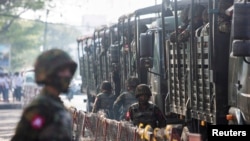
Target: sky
pixel 79 12
pixel 71 11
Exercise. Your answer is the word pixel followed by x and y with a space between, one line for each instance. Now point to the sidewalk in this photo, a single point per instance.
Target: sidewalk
pixel 12 104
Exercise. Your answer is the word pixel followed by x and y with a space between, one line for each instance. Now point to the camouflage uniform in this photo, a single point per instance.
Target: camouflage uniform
pixel 146 113
pixel 125 99
pixel 183 32
pixel 104 100
pixel 46 118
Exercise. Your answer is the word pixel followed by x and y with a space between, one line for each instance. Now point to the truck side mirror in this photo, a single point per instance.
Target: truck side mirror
pixel 241 29
pixel 241 47
pixel 146 49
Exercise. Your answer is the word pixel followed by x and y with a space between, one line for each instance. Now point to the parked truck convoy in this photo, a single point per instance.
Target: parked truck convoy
pixel 194 54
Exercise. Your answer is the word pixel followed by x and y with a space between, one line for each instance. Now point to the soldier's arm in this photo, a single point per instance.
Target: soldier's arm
pixel 32 122
pixel 118 103
pixel 129 114
pixel 96 105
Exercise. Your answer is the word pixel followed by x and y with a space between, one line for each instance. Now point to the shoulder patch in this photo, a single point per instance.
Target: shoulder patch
pixel 37 122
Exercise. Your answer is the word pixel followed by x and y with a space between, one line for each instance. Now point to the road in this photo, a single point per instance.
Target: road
pixel 9 119
pixel 78 101
pixel 10 116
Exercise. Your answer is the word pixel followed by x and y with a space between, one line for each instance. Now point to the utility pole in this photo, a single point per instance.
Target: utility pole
pixel 45 31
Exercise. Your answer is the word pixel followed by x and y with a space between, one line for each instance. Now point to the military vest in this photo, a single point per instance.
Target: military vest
pixel 106 101
pixel 146 117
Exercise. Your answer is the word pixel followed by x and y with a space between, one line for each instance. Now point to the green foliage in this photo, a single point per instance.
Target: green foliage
pixel 13 6
pixel 26 34
pixel 26 37
pixel 10 10
pixel 23 36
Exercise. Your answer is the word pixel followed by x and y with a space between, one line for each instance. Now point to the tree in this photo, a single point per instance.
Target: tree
pixel 20 34
pixel 10 10
pixel 26 37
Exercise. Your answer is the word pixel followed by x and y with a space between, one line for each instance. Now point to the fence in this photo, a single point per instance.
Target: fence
pixel 96 127
pixel 30 91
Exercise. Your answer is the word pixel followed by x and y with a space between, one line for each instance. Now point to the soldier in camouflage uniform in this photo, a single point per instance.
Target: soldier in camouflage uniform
pixel 125 99
pixel 184 30
pixel 145 112
pixel 104 100
pixel 46 118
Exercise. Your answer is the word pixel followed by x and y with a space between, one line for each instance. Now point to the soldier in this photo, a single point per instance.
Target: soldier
pixel 184 30
pixel 125 99
pixel 46 118
pixel 145 112
pixel 104 100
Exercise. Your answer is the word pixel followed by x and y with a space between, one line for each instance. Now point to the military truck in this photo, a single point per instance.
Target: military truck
pixel 200 68
pixel 85 56
pixel 192 53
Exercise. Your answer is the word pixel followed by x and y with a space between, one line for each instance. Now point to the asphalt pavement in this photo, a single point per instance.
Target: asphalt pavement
pixel 10 113
pixel 8 121
pixel 79 101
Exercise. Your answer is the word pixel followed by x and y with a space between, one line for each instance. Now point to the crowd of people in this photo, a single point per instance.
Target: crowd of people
pixel 11 86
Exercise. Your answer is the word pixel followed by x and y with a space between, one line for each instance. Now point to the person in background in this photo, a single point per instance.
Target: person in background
pixel 17 85
pixel 46 118
pixel 2 86
pixel 125 99
pixel 144 112
pixel 104 100
pixel 6 86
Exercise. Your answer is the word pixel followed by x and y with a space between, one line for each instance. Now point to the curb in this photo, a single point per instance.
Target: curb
pixel 11 106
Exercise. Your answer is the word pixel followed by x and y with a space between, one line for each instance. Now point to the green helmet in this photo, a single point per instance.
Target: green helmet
pixel 49 62
pixel 106 85
pixel 133 82
pixel 142 89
